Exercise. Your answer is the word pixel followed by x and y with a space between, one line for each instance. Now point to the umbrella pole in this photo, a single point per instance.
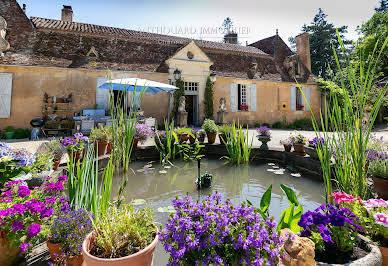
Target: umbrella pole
pixel 169 107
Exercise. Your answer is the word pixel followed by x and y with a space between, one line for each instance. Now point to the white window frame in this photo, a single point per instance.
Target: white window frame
pixel 299 99
pixel 191 86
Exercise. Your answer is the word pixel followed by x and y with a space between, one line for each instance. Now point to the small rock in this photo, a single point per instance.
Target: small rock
pixel 298 252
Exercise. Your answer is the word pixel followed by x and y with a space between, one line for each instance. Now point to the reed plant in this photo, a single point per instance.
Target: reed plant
pixel 237 144
pixel 166 142
pixel 343 155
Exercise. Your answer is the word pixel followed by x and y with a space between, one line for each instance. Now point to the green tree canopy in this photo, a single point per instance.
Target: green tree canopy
pixel 383 6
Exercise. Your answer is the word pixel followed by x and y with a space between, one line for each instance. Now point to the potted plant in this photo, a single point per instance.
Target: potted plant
pixel 13 163
pixel 211 130
pixel 55 148
pixel 264 136
pixel 312 145
pixel 108 133
pixel 373 218
pixel 143 132
pixel 26 215
pixel 298 142
pixel 334 233
pixel 122 237
pixel 99 137
pixel 67 234
pixel 217 232
pixel 287 144
pixel 75 146
pixel 223 132
pixel 182 133
pixel 9 132
pixel 378 169
pixel 193 135
pixel 244 107
pixel 201 135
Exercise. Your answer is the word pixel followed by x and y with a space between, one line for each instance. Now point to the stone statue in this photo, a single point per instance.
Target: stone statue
pixel 222 112
pixel 222 107
pixel 182 104
pixel 182 114
pixel 4 45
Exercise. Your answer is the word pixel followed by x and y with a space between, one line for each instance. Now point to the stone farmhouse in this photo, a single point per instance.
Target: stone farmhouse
pixel 59 57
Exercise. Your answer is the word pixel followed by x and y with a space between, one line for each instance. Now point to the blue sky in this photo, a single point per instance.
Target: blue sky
pixel 252 19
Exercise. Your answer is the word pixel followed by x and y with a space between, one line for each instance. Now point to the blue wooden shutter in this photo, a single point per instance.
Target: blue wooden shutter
pixel 253 97
pixel 292 98
pixel 102 94
pixel 233 97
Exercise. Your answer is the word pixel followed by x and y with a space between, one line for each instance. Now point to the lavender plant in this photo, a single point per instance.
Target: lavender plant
pixel 75 144
pixel 264 131
pixel 143 132
pixel 216 232
pixel 316 141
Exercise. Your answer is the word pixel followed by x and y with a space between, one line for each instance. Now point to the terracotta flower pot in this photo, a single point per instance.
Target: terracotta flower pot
pixel 184 137
pixel 55 249
pixel 135 141
pixel 201 139
pixel 381 187
pixel 287 147
pixel 211 137
pixel 109 147
pixel 56 164
pixel 144 257
pixel 77 155
pixel 222 138
pixel 299 148
pixel 100 147
pixel 191 139
pixel 384 254
pixel 8 256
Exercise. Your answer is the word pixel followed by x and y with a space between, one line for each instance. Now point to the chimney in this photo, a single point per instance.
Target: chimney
pixel 67 13
pixel 230 38
pixel 24 8
pixel 303 49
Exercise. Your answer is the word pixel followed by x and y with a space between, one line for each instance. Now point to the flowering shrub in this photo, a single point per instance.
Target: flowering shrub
pixel 263 131
pixel 217 232
pixel 373 155
pixel 143 132
pixel 25 213
pixel 243 107
pixel 379 167
pixel 70 229
pixel 315 141
pixel 75 144
pixel 13 162
pixel 372 213
pixel 299 107
pixel 298 139
pixel 329 224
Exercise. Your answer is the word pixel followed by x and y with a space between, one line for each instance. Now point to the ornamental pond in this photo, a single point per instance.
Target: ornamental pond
pixel 157 185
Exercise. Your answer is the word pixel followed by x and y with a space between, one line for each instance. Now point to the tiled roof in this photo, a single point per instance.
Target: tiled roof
pixel 53 24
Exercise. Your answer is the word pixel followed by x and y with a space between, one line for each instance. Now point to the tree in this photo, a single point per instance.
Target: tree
pixel 208 98
pixel 227 25
pixel 177 94
pixel 383 6
pixel 323 38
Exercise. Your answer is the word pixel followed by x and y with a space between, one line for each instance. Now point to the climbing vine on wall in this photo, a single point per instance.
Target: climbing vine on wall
pixel 208 98
pixel 177 94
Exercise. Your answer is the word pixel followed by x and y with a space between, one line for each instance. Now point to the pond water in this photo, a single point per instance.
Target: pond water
pixel 158 186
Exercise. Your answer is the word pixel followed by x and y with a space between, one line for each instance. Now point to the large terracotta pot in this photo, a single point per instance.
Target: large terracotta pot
pixel 211 137
pixel 191 139
pixel 101 147
pixel 384 254
pixel 77 155
pixel 201 139
pixel 55 249
pixel 56 165
pixel 109 147
pixel 222 138
pixel 287 147
pixel 184 137
pixel 8 256
pixel 135 141
pixel 299 148
pixel 144 257
pixel 381 187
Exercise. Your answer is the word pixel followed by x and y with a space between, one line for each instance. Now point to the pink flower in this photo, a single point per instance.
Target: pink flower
pixel 374 203
pixel 381 218
pixel 341 197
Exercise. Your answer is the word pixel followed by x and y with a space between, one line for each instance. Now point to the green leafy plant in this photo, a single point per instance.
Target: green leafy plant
pixel 122 232
pixel 191 152
pixel 54 147
pixel 257 125
pixel 379 168
pixel 9 129
pixel 209 126
pixel 351 130
pixel 208 98
pixel 177 94
pixel 43 162
pixel 237 145
pixel 277 125
pixel 21 133
pixel 166 143
pixel 266 125
pixel 224 129
pixel 98 134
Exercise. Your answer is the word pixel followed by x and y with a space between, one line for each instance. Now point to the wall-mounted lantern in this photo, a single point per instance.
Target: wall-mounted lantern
pixel 177 74
pixel 213 77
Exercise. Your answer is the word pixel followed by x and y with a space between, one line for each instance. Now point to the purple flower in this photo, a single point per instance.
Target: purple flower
pixel 263 131
pixel 65 207
pixel 33 230
pixel 7 194
pixel 50 200
pixel 24 246
pixel 143 132
pixel 62 178
pixel 17 225
pixel 23 191
pixel 46 212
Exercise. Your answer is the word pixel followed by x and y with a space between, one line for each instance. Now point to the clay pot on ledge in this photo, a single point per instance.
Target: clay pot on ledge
pixel 135 142
pixel 8 256
pixel 299 148
pixel 287 147
pixel 100 147
pixel 183 137
pixel 381 187
pixel 191 139
pixel 56 164
pixel 55 250
pixel 77 155
pixel 144 257
pixel 211 137
pixel 201 139
pixel 109 147
pixel 384 254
